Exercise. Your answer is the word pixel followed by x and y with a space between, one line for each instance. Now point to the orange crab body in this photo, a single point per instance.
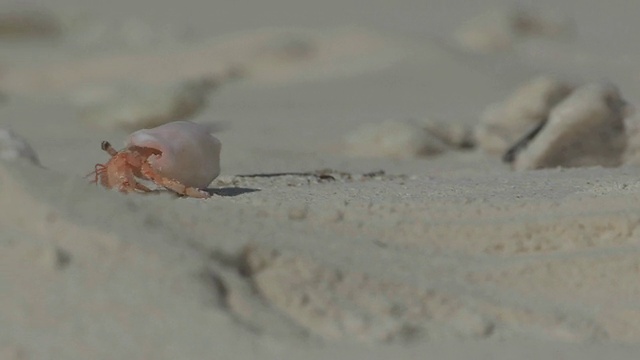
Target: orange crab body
pixel 181 156
pixel 127 167
pixel 121 171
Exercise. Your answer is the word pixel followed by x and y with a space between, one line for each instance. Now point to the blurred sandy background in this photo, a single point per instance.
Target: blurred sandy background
pixel 363 210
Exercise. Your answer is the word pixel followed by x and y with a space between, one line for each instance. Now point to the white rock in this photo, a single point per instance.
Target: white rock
pixel 586 129
pixel 632 152
pixel 134 107
pixel 14 147
pixel 504 123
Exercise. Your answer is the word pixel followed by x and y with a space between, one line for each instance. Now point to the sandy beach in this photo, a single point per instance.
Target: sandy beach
pixel 428 179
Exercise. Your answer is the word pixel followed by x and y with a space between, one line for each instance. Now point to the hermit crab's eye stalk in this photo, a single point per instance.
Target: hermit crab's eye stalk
pixel 106 146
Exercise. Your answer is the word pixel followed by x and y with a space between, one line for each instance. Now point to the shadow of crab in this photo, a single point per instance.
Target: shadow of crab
pixel 224 192
pixel 230 191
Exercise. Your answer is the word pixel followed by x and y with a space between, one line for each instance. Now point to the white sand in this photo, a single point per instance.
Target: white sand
pixel 451 256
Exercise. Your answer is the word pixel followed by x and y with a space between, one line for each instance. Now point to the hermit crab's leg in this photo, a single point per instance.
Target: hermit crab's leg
pixel 131 184
pixel 141 187
pixel 99 169
pixel 173 185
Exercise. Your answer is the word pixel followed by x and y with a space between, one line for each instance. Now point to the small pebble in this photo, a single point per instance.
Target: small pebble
pixel 298 213
pixel 28 24
pixel 500 30
pixel 393 139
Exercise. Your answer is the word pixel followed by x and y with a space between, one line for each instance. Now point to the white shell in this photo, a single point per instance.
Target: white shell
pixel 190 154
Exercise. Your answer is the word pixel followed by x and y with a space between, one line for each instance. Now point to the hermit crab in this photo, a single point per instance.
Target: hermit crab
pixel 181 156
